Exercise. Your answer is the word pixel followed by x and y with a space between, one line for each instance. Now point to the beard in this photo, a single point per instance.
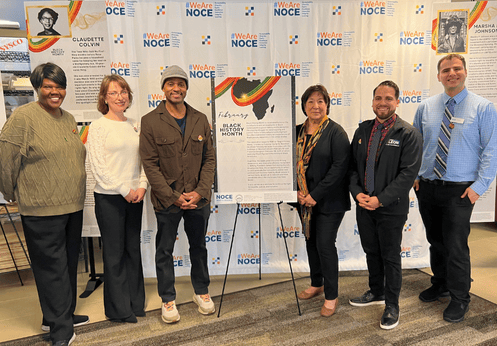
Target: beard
pixel 383 115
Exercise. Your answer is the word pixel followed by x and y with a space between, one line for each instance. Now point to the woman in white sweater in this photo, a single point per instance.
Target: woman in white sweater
pixel 120 187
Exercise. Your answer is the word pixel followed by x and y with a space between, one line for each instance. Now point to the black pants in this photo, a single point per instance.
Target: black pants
pixel 120 229
pixel 53 243
pixel 446 217
pixel 381 238
pixel 322 252
pixel 195 227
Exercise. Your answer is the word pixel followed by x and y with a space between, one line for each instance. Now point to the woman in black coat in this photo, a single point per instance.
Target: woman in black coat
pixel 323 152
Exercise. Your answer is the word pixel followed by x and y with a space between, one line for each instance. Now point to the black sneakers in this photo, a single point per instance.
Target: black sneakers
pixel 433 293
pixel 390 318
pixel 367 299
pixel 455 311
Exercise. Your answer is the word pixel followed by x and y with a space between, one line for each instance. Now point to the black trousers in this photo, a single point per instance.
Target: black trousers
pixel 195 227
pixel 381 238
pixel 446 217
pixel 120 229
pixel 322 252
pixel 54 243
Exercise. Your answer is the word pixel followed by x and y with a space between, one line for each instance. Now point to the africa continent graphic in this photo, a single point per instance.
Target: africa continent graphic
pixel 244 86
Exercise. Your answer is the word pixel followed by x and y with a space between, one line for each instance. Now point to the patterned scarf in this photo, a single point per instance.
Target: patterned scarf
pixel 303 157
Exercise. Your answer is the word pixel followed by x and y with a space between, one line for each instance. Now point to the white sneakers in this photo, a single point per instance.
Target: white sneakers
pixel 205 304
pixel 78 320
pixel 169 312
pixel 65 342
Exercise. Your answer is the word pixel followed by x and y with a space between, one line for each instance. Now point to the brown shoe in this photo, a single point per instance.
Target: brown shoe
pixel 304 295
pixel 326 312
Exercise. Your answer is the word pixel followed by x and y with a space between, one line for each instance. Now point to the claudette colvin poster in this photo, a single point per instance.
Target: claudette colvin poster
pixel 254 131
pixel 74 36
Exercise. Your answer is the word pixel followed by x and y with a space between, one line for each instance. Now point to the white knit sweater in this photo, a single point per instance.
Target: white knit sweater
pixel 114 158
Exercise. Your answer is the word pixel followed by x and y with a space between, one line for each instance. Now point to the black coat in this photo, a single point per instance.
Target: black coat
pixel 397 167
pixel 326 175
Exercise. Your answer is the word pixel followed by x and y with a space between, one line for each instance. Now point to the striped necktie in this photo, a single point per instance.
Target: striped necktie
pixel 444 140
pixel 371 160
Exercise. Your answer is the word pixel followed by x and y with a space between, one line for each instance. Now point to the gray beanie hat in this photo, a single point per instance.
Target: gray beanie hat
pixel 171 72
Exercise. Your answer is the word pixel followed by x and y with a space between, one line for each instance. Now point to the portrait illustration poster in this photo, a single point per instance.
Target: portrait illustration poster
pixel 48 21
pixel 474 23
pixel 73 35
pixel 452 31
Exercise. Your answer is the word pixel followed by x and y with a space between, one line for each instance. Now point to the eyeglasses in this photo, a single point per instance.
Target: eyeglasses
pixel 114 94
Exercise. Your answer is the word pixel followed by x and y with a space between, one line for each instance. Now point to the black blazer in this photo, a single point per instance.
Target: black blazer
pixel 326 175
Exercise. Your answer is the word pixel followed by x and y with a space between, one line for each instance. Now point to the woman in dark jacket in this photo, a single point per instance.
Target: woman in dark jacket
pixel 323 152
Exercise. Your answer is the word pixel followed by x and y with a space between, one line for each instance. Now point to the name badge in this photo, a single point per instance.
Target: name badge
pixel 393 143
pixel 457 120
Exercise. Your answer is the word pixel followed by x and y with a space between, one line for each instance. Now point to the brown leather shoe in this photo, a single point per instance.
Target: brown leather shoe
pixel 325 312
pixel 304 295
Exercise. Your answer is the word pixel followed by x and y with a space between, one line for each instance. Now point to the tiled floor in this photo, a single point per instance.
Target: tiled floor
pixel 20 313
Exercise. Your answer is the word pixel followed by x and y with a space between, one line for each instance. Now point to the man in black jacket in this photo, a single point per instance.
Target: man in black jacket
pixel 386 156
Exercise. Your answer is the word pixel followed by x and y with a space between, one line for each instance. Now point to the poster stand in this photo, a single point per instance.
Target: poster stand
pixel 95 278
pixel 20 242
pixel 260 235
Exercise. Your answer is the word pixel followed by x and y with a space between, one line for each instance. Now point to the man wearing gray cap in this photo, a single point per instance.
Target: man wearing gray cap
pixel 179 161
